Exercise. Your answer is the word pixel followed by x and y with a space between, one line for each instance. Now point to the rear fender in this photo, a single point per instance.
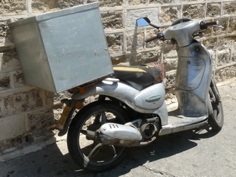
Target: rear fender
pixel 129 96
pixel 118 90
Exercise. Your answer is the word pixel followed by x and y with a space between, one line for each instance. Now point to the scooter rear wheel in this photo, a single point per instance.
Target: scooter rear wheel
pixel 86 151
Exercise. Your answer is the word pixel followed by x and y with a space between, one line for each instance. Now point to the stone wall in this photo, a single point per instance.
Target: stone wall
pixel 26 112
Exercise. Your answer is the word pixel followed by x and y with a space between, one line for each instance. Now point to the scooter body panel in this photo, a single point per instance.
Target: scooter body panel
pixel 150 98
pixel 193 79
pixel 145 101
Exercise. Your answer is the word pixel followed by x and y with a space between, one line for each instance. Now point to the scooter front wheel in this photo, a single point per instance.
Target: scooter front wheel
pixel 86 151
pixel 216 119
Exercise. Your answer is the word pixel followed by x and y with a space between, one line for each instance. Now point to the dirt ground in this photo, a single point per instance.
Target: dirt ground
pixel 185 154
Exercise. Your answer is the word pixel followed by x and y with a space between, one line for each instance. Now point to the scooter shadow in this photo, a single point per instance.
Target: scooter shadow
pixel 162 147
pixel 50 161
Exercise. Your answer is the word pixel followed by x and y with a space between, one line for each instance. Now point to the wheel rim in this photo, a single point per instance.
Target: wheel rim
pixel 94 152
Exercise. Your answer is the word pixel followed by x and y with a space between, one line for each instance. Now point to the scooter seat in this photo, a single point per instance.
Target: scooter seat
pixel 143 75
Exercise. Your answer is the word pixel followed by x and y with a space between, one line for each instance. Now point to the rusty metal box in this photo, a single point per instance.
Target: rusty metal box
pixel 62 49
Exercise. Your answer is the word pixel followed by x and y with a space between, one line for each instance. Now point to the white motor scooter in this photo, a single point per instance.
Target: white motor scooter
pixel 130 109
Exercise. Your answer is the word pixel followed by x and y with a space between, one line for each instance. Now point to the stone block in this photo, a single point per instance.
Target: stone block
pixel 9 145
pixel 194 11
pixel 9 61
pixel 233 56
pixel 226 51
pixel 68 3
pixel 43 5
pixel 170 94
pixel 112 20
pixel 232 25
pixel 3 30
pixel 229 8
pixel 5 81
pixel 5 35
pixel 19 80
pixel 144 57
pixel 134 14
pixel 210 43
pixel 14 126
pixel 135 42
pixel 13 7
pixel 213 9
pixel 225 73
pixel 48 97
pixel 233 48
pixel 223 57
pixel 213 55
pixel 170 80
pixel 137 2
pixel 40 119
pixel 58 96
pixel 20 102
pixel 170 59
pixel 22 147
pixel 57 113
pixel 223 43
pixel 169 52
pixel 115 43
pixel 169 14
pixel 170 64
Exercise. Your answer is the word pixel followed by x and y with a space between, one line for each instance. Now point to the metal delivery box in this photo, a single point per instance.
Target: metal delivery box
pixel 62 49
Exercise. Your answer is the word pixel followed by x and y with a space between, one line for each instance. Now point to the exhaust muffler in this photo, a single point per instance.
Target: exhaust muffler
pixel 121 135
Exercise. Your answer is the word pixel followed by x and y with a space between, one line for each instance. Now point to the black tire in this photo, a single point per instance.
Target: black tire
pixel 91 117
pixel 216 119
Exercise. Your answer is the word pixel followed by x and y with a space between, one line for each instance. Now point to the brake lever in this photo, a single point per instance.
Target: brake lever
pixel 218 26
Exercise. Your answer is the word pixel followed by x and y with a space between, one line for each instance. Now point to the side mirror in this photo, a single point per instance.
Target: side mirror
pixel 143 21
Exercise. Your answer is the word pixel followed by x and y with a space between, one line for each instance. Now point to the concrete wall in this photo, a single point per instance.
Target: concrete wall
pixel 26 112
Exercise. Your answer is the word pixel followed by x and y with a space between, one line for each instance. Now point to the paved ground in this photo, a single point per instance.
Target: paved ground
pixel 191 154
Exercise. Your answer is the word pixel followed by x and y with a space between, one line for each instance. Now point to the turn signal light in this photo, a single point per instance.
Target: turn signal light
pixel 82 90
pixel 71 90
pixel 79 105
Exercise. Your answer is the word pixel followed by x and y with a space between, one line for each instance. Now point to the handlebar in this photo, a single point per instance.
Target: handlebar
pixel 204 24
pixel 158 36
pixel 190 28
pixel 151 39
